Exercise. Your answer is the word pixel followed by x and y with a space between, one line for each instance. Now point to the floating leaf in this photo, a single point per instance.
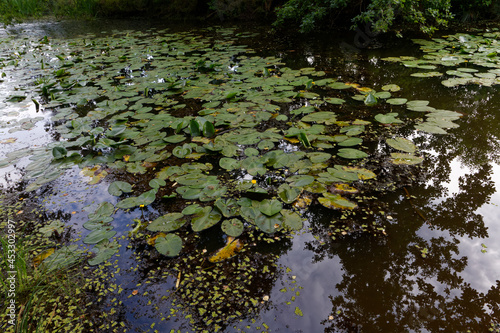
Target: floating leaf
pixel 59 152
pixel 408 159
pixel 389 118
pixel 402 144
pixel 396 101
pixel 391 87
pixel 205 219
pixel 106 250
pixel 288 194
pixel 99 234
pixel 291 220
pixel 232 227
pixel 170 245
pixel 55 226
pixel 270 207
pixel 336 201
pixel 168 222
pixel 350 153
pixel 157 183
pixel 300 180
pixel 117 188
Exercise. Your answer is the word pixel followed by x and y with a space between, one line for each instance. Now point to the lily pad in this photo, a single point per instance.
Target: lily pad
pixel 99 234
pixel 205 219
pixel 105 250
pixel 336 201
pixel 170 245
pixel 168 222
pixel 270 207
pixel 117 188
pixel 232 227
pixel 351 153
pixel 408 159
pixel 402 144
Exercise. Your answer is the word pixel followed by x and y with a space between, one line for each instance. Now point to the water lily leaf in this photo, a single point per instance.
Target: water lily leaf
pixel 175 138
pixel 168 222
pixel 170 245
pixel 182 151
pixel 389 118
pixel 157 183
pixel 350 142
pixel 254 166
pixel 318 157
pixel 117 188
pixel 205 219
pixel 429 128
pixel 56 226
pixel 270 207
pixel 291 220
pixel 104 209
pixel 61 258
pixel 402 144
pixel 350 153
pixel 338 85
pixel 336 201
pixel 59 152
pixel 227 207
pixel 106 250
pixel 408 159
pixel 288 194
pixel 300 180
pixel 334 100
pixel 352 130
pixel 426 74
pixel 383 95
pixel 98 235
pixel 144 199
pixel 396 101
pixel 232 227
pixel 391 87
pixel 320 117
pixel 229 163
pixel 269 224
pixel 361 173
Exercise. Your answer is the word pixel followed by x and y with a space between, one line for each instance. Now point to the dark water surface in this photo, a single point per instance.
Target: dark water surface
pixel 436 269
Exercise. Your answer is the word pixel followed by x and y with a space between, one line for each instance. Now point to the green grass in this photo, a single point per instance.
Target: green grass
pixel 48 297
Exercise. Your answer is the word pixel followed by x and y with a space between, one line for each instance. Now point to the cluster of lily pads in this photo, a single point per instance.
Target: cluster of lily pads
pixel 236 138
pixel 459 59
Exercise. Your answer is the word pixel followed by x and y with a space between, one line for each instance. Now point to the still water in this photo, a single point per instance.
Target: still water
pixel 435 268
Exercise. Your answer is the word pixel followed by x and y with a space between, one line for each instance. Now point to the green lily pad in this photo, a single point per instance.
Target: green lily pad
pixel 389 118
pixel 270 207
pixel 350 153
pixel 98 235
pixel 396 101
pixel 56 226
pixel 117 188
pixel 205 219
pixel 157 183
pixel 300 180
pixel 143 200
pixel 408 159
pixel 350 142
pixel 105 250
pixel 292 220
pixel 170 245
pixel 288 194
pixel 227 207
pixel 402 144
pixel 336 201
pixel 168 222
pixel 59 152
pixel 232 227
pixel 269 224
pixel 391 87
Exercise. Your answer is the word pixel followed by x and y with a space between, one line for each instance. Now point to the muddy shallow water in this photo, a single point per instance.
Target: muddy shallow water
pixel 436 266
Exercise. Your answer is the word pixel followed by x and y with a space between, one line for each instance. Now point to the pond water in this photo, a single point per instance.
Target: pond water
pixel 420 253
